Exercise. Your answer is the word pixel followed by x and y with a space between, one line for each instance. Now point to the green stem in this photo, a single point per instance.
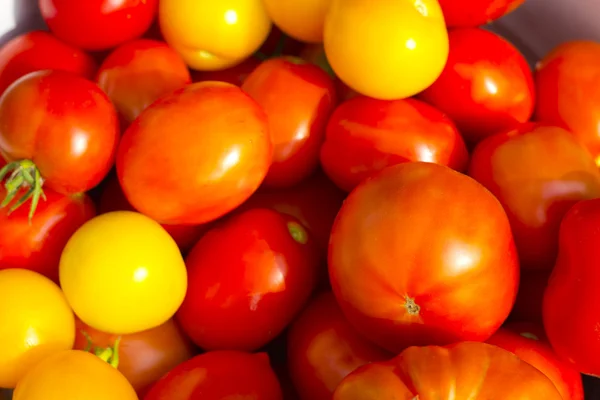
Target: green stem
pixel 24 174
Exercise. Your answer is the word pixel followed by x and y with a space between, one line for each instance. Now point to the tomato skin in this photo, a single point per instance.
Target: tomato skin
pixel 365 135
pixel 323 348
pixel 486 86
pixel 528 341
pixel 458 254
pixel 98 24
pixel 302 20
pixel 528 306
pixel 568 96
pixel 557 172
pixel 235 75
pixel 226 374
pixel 221 131
pixel 298 99
pixel 39 50
pixel 465 370
pixel 472 13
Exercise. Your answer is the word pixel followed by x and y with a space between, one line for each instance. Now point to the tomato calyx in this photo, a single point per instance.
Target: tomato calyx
pixel 23 174
pixel 298 232
pixel 529 335
pixel 109 355
pixel 412 308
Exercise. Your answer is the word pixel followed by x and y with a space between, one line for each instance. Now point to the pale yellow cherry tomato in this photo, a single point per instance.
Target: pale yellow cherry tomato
pixel 214 34
pixel 122 273
pixel 386 49
pixel 301 19
pixel 35 322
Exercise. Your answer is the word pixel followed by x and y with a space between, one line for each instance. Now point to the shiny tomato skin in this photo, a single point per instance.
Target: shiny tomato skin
pixel 323 348
pixel 298 99
pixel 247 277
pixel 301 19
pixel 365 135
pixel 220 134
pixel 486 86
pixel 528 342
pixel 567 92
pixel 219 375
pixel 98 24
pixel 415 241
pixel 235 75
pixel 556 171
pixel 473 13
pixel 39 50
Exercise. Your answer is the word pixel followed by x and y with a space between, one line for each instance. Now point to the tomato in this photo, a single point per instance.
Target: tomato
pixel 402 44
pixel 466 370
pixel 38 50
pixel 122 273
pixel 302 20
pixel 35 322
pixel 235 75
pixel 486 86
pixel 365 135
pixel 298 98
pixel 529 343
pixel 73 374
pixel 138 72
pixel 572 298
pixel 568 95
pixel 219 375
pixel 213 35
pixel 472 13
pixel 58 130
pixel 537 172
pixel 421 254
pixel 528 306
pixel 248 277
pixel 323 348
pixel 37 244
pixel 144 357
pixel 218 158
pixel 98 24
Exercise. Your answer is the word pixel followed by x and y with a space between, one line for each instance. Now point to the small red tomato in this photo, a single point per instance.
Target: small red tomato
pixel 235 75
pixel 323 348
pixel 528 306
pixel 247 279
pixel 568 94
pixel 365 135
pixel 528 341
pixel 98 24
pixel 214 158
pixel 473 13
pixel 219 375
pixel 298 98
pixel 137 73
pixel 39 50
pixel 486 86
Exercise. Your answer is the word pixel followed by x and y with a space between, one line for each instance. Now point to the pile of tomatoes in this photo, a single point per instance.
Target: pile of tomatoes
pixel 303 200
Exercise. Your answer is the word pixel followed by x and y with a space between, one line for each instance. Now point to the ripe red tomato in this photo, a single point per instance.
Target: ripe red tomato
pixel 137 73
pixel 298 98
pixel 472 13
pixel 247 279
pixel 98 24
pixel 365 135
pixel 216 157
pixel 38 50
pixel 537 172
pixel 528 341
pixel 219 375
pixel 528 306
pixel 486 86
pixel 235 75
pixel 421 254
pixel 323 348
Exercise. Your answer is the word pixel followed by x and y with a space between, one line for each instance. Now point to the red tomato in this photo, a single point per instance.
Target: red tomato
pixel 215 159
pixel 365 135
pixel 247 278
pixel 528 341
pixel 98 24
pixel 486 86
pixel 38 50
pixel 138 72
pixel 528 306
pixel 537 172
pixel 323 348
pixel 219 375
pixel 472 13
pixel 235 75
pixel 421 254
pixel 568 94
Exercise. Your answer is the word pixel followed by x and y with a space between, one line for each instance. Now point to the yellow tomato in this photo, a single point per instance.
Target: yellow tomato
pixel 74 374
pixel 35 322
pixel 301 19
pixel 214 35
pixel 387 49
pixel 122 273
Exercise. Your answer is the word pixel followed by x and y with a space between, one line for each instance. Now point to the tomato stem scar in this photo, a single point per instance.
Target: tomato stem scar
pixel 298 232
pixel 109 354
pixel 23 174
pixel 411 307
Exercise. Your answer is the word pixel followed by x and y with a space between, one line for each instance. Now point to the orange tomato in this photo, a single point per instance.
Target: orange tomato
pixel 301 19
